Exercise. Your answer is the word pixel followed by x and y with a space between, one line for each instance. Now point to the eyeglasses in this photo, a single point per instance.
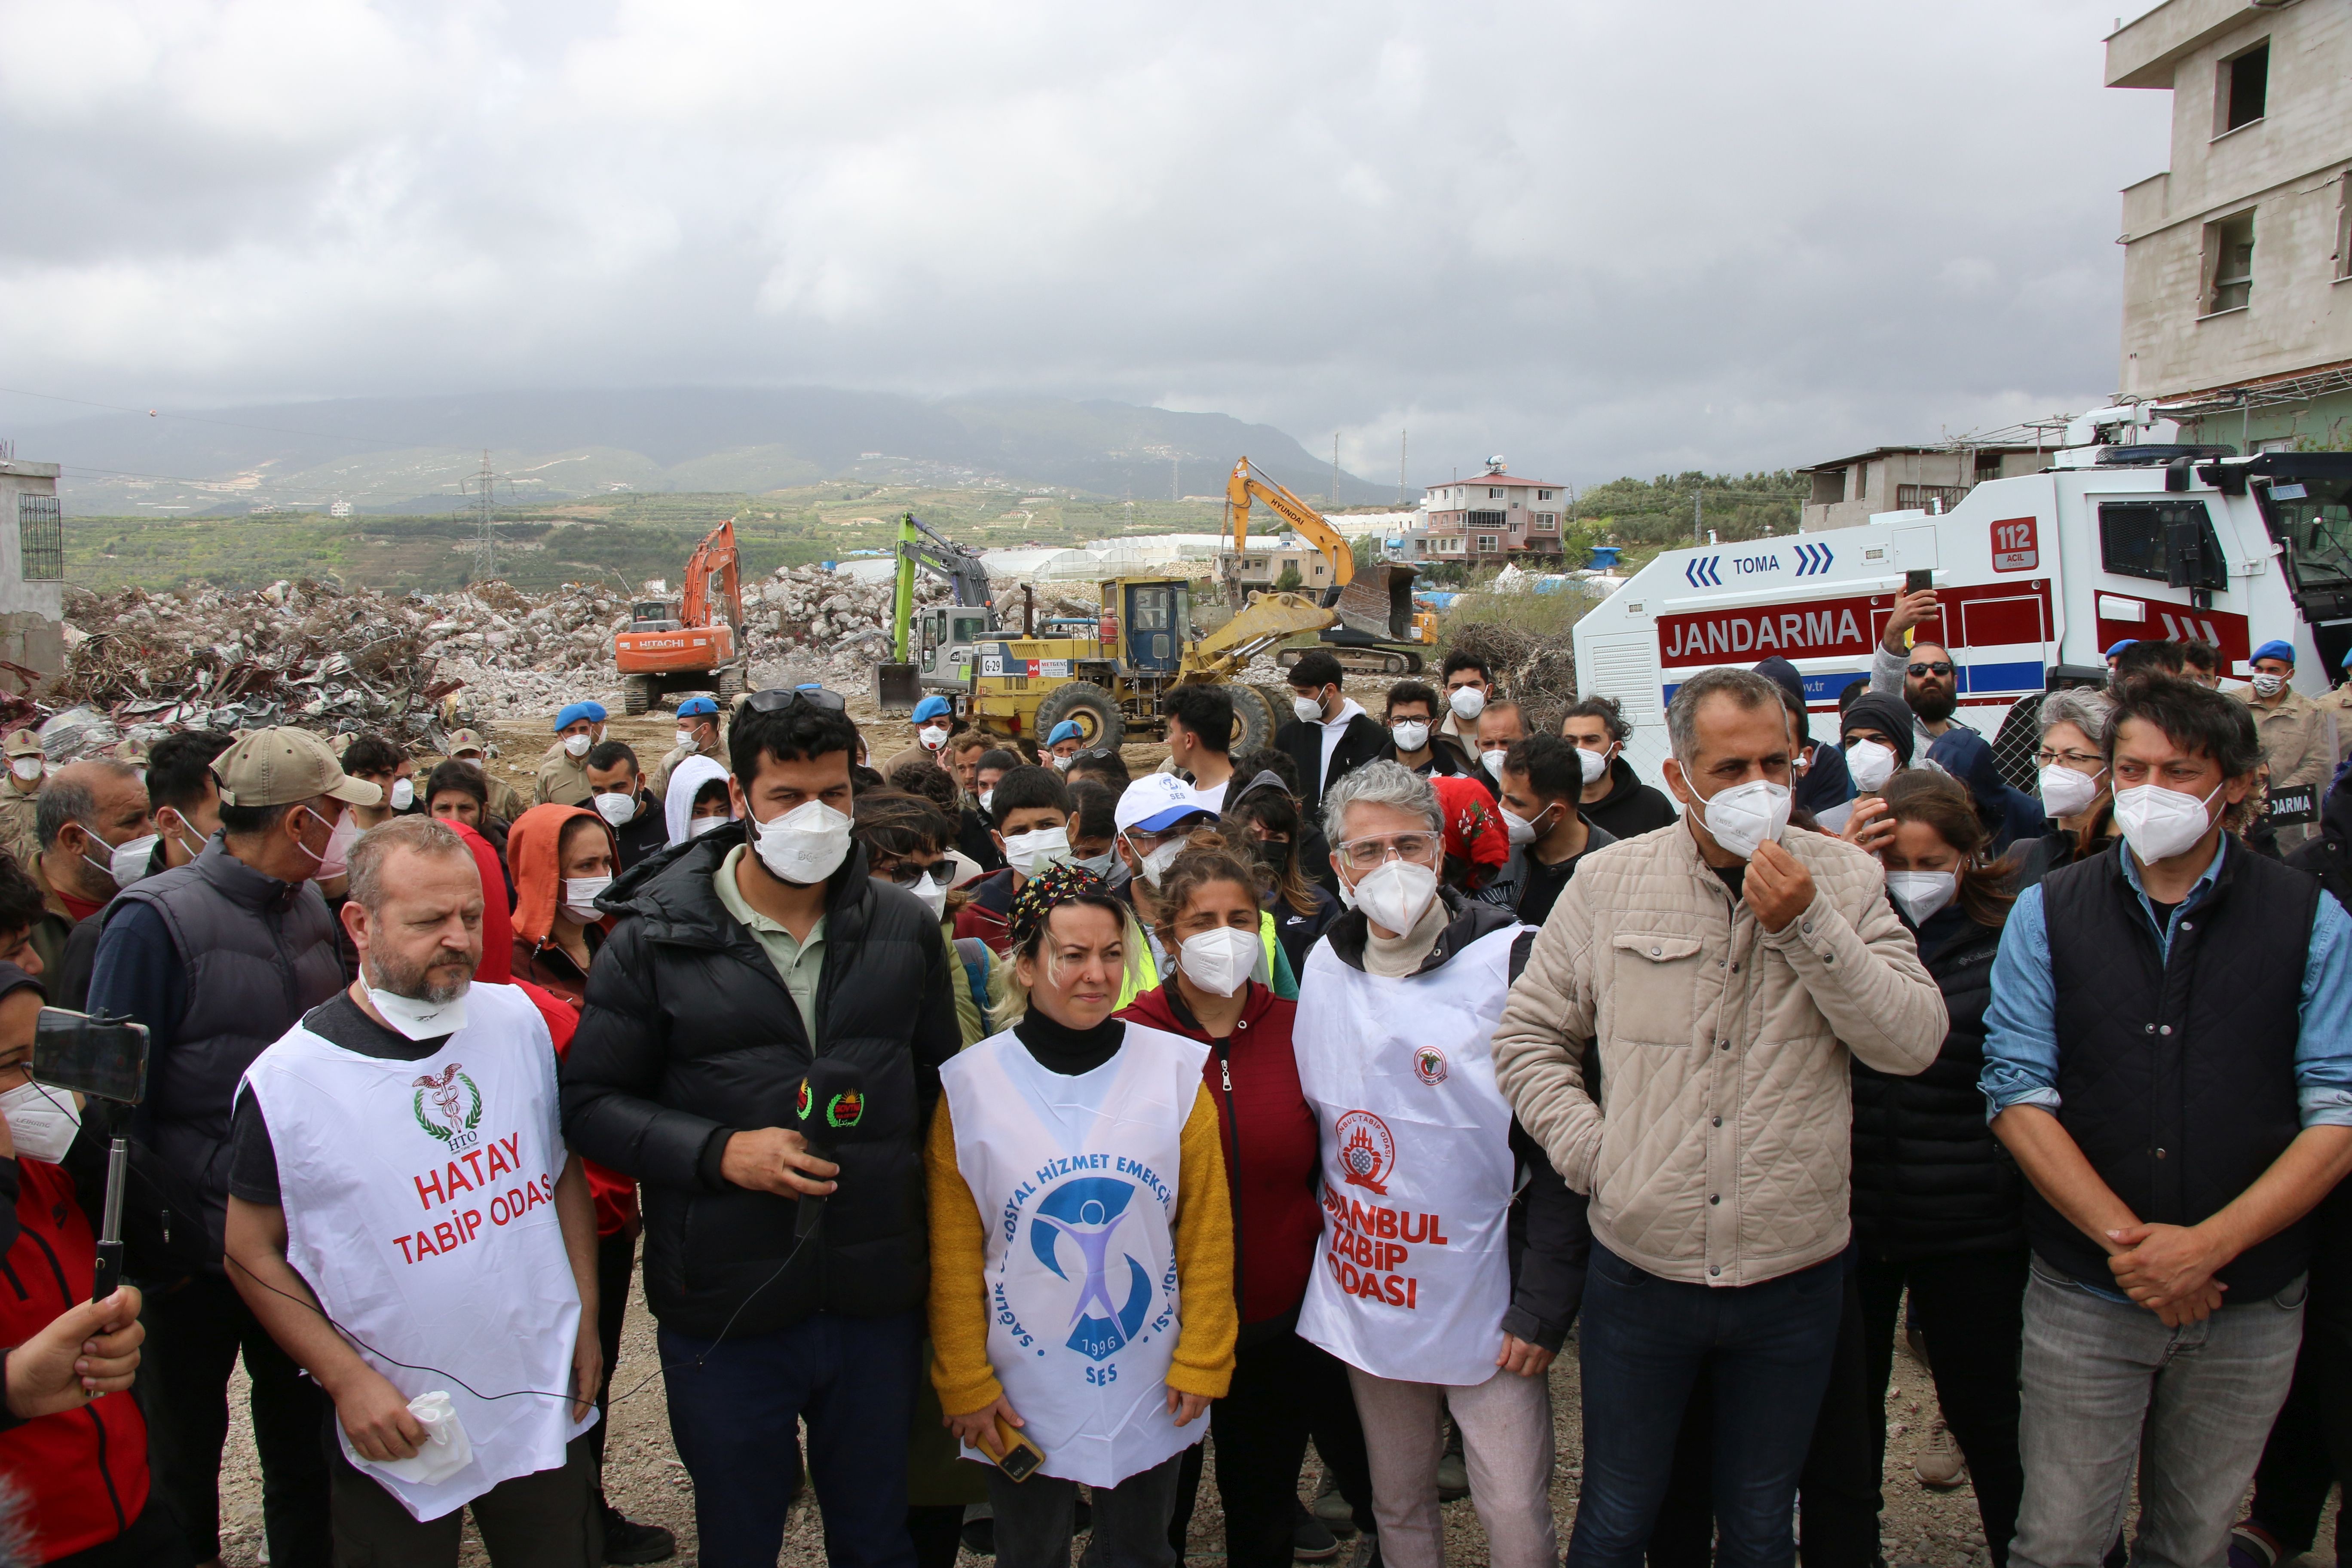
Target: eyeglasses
pixel 1366 854
pixel 940 871
pixel 2045 757
pixel 784 699
pixel 1932 667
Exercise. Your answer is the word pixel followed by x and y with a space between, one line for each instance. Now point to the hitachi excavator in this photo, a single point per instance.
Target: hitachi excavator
pixel 694 645
pixel 1380 632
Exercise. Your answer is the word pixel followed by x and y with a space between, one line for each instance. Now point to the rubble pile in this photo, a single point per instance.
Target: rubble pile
pixel 1536 669
pixel 808 619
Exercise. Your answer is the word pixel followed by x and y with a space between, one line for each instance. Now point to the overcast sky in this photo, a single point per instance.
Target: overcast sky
pixel 1599 238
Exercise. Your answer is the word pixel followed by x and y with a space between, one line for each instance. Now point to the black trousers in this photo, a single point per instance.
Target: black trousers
pixel 1837 1494
pixel 545 1521
pixel 1283 1391
pixel 196 1332
pixel 616 1260
pixel 1970 1308
pixel 2310 1446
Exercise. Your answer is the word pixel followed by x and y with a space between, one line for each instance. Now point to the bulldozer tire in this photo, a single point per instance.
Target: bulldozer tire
pixel 636 694
pixel 1253 718
pixel 729 685
pixel 1091 706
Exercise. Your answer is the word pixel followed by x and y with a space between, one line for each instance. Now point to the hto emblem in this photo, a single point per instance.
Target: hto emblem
pixel 453 1119
pixel 1429 1065
pixel 1366 1151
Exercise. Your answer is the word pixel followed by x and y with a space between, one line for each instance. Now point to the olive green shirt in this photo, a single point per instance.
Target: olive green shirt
pixel 798 963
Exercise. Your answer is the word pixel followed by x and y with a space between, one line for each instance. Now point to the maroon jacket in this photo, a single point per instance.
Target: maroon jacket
pixel 82 1473
pixel 1271 1158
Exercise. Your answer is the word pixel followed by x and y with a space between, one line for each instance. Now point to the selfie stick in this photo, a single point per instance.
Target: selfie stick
pixel 109 1273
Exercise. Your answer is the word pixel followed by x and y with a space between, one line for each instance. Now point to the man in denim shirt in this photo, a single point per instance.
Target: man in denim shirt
pixel 2169 1059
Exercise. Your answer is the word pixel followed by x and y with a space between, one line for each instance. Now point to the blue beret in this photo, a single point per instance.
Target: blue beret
pixel 2121 644
pixel 933 707
pixel 1067 730
pixel 591 711
pixel 696 707
pixel 2276 649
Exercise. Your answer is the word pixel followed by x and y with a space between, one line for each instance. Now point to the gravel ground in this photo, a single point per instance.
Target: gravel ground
pixel 646 1480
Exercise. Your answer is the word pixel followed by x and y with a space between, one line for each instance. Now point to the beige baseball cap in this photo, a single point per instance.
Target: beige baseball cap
pixel 24 742
pixel 130 751
pixel 278 767
pixel 465 740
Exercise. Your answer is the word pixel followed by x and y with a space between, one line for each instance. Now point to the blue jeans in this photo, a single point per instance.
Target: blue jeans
pixel 735 1416
pixel 1644 1340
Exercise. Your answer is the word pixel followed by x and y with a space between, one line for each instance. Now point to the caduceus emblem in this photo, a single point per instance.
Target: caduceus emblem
pixel 449 1089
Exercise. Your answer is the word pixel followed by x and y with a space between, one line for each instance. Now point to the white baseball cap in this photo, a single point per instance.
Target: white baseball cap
pixel 1158 802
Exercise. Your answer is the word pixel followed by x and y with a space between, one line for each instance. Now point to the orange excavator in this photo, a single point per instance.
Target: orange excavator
pixel 694 645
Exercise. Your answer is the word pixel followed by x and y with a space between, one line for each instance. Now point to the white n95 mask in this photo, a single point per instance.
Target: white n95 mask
pixel 806 844
pixel 1412 735
pixel 1155 865
pixel 616 808
pixel 26 768
pixel 1493 761
pixel 1920 894
pixel 128 864
pixel 2159 823
pixel 580 898
pixel 1309 712
pixel 932 736
pixel 404 794
pixel 42 1120
pixel 1032 852
pixel 577 745
pixel 417 1019
pixel 1743 816
pixel 1394 894
pixel 1871 763
pixel 2066 791
pixel 1594 764
pixel 1467 702
pixel 1220 959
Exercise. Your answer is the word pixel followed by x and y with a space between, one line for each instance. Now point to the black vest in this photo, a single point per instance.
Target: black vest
pixel 2177 1078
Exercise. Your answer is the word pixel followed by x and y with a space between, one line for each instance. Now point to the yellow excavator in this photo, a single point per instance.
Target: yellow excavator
pixel 1380 631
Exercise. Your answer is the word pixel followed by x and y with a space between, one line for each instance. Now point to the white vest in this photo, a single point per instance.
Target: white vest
pixel 1075 1181
pixel 1417 1164
pixel 420 1207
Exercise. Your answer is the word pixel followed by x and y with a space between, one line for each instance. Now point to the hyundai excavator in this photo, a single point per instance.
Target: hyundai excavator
pixel 1379 630
pixel 694 645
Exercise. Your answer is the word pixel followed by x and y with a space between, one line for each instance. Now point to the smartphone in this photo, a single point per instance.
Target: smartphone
pixel 1019 1457
pixel 101 1056
pixel 1918 581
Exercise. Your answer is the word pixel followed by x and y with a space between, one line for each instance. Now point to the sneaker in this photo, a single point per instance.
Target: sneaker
pixel 980 1536
pixel 1938 1463
pixel 626 1540
pixel 1311 1540
pixel 1453 1475
pixel 2252 1546
pixel 1333 1509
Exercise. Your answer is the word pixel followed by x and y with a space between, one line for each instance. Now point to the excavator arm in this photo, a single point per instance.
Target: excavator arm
pixel 714 585
pixel 944 558
pixel 1247 484
pixel 1267 619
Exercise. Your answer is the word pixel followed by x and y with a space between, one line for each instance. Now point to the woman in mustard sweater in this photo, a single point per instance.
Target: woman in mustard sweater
pixel 1092 1313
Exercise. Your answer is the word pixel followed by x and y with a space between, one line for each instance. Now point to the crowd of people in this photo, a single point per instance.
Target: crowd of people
pixel 997 1133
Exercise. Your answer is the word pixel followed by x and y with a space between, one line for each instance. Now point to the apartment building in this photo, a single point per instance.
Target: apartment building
pixel 1847 491
pixel 1494 516
pixel 2238 259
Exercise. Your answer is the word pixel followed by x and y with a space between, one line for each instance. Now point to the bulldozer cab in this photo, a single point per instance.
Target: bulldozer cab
pixel 653 615
pixel 1155 620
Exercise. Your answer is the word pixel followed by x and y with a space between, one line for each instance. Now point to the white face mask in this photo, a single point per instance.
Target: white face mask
pixel 420 1020
pixel 1467 702
pixel 1521 829
pixel 1393 894
pixel 128 864
pixel 1493 761
pixel 1412 735
pixel 580 898
pixel 986 796
pixel 1309 710
pixel 702 825
pixel 684 737
pixel 806 844
pixel 404 794
pixel 1155 865
pixel 1920 894
pixel 616 808
pixel 1743 816
pixel 1594 763
pixel 1030 853
pixel 339 844
pixel 2067 793
pixel 42 1122
pixel 1062 764
pixel 1101 864
pixel 1871 763
pixel 2159 823
pixel 185 835
pixel 1219 960
pixel 2268 684
pixel 577 745
pixel 932 892
pixel 27 768
pixel 932 736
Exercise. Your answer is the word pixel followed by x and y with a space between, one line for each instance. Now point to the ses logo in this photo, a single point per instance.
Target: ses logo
pixel 1087 1215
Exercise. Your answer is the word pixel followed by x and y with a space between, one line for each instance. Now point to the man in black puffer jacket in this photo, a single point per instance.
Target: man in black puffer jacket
pixel 735 963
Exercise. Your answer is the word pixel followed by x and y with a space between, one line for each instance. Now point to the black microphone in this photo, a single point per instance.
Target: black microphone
pixel 829 1111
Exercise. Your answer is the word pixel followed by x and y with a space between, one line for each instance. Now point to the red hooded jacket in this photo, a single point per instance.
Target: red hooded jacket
pixel 1271 1158
pixel 616 1194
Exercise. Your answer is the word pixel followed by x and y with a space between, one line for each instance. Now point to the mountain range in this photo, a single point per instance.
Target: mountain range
pixel 393 455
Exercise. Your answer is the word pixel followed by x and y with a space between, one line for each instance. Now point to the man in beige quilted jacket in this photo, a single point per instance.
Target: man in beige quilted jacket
pixel 1680 1043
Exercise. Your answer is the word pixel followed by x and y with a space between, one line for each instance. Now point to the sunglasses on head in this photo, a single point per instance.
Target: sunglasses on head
pixel 1931 667
pixel 784 699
